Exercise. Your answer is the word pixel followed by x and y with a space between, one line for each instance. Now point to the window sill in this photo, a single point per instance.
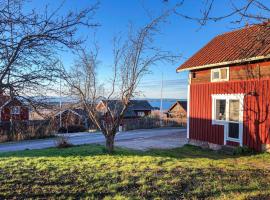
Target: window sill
pixel 233 139
pixel 219 80
pixel 219 122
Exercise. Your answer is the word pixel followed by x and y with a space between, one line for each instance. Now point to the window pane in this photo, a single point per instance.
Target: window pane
pixel 215 75
pixel 15 110
pixel 234 130
pixel 234 110
pixel 220 109
pixel 223 73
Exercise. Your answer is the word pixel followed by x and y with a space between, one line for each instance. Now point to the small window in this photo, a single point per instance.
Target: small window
pixel 220 109
pixel 215 75
pixel 233 130
pixel 193 74
pixel 220 74
pixel 234 106
pixel 223 73
pixel 15 110
pixel 141 114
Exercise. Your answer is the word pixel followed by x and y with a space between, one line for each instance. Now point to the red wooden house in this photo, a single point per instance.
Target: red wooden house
pixel 229 90
pixel 12 109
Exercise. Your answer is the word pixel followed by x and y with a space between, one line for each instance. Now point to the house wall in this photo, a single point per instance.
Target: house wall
pixel 237 72
pixel 256 109
pixel 5 112
pixel 68 119
pixel 178 111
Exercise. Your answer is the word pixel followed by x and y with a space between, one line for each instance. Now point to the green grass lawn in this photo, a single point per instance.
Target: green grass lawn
pixel 88 172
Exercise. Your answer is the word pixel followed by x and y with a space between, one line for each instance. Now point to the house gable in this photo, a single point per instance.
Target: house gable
pixel 6 110
pixel 178 109
pixel 258 70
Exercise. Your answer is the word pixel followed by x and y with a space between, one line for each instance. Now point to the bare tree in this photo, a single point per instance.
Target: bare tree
pixel 247 11
pixel 29 42
pixel 132 59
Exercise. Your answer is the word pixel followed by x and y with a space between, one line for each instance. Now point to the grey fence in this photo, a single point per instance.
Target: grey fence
pixel 149 122
pixel 22 130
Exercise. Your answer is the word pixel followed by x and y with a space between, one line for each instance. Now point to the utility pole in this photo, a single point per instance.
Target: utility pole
pixel 161 101
pixel 60 100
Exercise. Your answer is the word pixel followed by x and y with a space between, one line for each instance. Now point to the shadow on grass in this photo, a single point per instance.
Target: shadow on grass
pixel 187 151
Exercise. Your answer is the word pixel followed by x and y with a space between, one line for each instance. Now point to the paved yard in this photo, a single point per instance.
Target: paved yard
pixel 136 139
pixel 163 139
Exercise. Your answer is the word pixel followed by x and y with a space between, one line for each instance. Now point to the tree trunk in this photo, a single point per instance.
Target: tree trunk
pixel 110 142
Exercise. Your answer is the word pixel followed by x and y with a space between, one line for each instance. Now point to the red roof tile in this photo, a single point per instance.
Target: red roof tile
pixel 246 43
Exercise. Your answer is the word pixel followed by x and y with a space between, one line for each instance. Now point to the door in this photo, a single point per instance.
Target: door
pixel 228 111
pixel 233 123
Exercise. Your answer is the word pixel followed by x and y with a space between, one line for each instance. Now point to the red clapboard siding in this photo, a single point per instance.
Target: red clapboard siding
pixel 255 108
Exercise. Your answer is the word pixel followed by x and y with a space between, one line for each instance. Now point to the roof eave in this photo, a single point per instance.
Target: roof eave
pixel 224 63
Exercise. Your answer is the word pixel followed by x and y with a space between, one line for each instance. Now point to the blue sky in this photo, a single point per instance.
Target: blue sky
pixel 181 36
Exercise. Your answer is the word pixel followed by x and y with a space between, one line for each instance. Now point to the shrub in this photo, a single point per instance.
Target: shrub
pixel 72 129
pixel 243 151
pixel 63 142
pixel 62 130
pixel 75 128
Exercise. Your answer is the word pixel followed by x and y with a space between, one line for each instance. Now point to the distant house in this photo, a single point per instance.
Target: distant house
pixel 45 112
pixel 177 110
pixel 136 108
pixel 71 118
pixel 229 90
pixel 13 109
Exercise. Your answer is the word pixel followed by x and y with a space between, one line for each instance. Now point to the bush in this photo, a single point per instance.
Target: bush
pixel 62 130
pixel 243 151
pixel 62 142
pixel 75 128
pixel 72 129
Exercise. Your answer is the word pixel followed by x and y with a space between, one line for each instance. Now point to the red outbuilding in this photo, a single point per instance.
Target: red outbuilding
pixel 229 90
pixel 12 109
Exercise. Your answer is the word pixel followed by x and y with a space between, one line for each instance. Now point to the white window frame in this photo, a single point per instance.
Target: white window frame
pixel 18 110
pixel 219 71
pixel 226 122
pixel 141 113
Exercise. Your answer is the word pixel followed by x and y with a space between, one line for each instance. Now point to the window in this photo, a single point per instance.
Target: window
pixel 226 109
pixel 193 74
pixel 220 109
pixel 141 114
pixel 233 131
pixel 15 110
pixel 220 74
pixel 234 106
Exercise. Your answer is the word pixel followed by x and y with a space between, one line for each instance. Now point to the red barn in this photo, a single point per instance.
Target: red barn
pixel 229 90
pixel 13 109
